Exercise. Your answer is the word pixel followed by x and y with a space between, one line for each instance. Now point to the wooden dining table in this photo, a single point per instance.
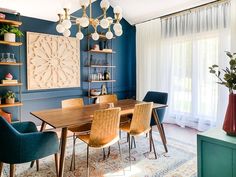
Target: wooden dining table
pixel 69 117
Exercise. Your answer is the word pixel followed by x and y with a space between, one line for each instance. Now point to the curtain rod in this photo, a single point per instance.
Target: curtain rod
pixel 185 10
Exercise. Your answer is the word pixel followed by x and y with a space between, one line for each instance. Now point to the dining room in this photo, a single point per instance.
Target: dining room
pixel 106 88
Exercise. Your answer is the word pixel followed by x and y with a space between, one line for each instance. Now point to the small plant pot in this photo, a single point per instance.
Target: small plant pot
pixel 10 37
pixel 10 100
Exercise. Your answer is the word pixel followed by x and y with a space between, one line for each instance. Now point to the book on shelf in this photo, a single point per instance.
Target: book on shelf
pixel 9 81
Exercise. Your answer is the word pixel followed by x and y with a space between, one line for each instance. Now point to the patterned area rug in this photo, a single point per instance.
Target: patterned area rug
pixel 180 161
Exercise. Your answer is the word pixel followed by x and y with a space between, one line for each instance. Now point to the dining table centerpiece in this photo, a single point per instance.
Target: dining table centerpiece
pixel 227 78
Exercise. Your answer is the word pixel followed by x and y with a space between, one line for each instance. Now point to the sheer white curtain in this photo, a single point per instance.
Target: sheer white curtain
pixel 189 44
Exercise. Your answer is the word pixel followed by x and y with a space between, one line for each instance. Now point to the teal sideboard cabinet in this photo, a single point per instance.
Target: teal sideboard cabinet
pixel 216 153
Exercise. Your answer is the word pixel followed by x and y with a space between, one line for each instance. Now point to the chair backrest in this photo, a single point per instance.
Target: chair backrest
pixel 75 102
pixel 107 99
pixel 105 127
pixel 141 118
pixel 9 141
pixel 157 97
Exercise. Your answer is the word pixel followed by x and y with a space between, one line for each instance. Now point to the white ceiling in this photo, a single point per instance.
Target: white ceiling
pixel 134 11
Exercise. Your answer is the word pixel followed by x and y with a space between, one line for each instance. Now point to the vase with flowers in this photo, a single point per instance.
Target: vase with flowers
pixel 228 79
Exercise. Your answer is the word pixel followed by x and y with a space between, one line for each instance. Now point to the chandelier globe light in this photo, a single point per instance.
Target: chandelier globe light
pixel 107 23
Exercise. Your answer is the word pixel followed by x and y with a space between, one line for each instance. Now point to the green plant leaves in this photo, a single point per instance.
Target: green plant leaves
pixel 229 78
pixel 10 29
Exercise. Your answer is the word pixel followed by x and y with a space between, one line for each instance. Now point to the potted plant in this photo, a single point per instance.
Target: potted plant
pixel 228 80
pixel 10 33
pixel 10 97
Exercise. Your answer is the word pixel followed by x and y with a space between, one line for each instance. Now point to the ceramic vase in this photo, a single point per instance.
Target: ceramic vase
pixel 10 100
pixel 229 125
pixel 10 37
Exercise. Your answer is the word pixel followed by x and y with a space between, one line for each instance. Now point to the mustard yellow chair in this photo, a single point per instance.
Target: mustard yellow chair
pixel 140 124
pixel 82 129
pixel 107 98
pixel 104 131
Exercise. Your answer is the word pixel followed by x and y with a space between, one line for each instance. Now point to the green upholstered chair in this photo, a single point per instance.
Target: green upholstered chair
pixel 160 98
pixel 21 142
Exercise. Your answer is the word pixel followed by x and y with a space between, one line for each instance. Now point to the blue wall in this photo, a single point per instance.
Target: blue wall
pixel 124 73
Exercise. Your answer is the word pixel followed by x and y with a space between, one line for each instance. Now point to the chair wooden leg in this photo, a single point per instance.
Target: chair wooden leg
pixel 119 148
pixel 12 170
pixel 152 144
pixel 104 153
pixel 37 165
pixel 73 154
pixel 109 152
pixel 87 161
pixel 1 167
pixel 129 151
pixel 163 132
pixel 56 164
pixel 160 129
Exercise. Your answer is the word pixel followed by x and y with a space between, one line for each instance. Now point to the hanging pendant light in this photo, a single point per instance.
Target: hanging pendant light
pixel 66 21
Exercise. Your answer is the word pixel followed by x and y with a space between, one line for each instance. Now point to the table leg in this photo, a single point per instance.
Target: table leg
pixel 160 129
pixel 63 149
pixel 43 126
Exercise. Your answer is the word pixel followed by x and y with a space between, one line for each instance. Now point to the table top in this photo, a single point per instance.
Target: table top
pixel 68 117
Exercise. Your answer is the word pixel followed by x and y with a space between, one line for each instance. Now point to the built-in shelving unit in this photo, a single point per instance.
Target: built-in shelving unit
pixel 11 85
pixel 101 51
pixel 106 56
pixel 16 104
pixel 10 64
pixel 100 81
pixel 18 65
pixel 100 66
pixel 11 43
pixel 11 22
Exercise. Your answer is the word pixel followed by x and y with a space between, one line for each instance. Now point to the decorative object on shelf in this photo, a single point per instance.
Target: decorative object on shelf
pixel 104 89
pixel 9 76
pixel 107 75
pixel 229 80
pixel 0 100
pixel 10 97
pixel 8 59
pixel 100 76
pixel 95 92
pixel 9 79
pixel 10 33
pixel 96 47
pixel 57 66
pixel 66 21
pixel 6 115
pixel 2 16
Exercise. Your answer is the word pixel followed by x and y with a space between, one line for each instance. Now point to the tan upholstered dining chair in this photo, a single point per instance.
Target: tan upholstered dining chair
pixel 104 131
pixel 140 124
pixel 83 129
pixel 107 98
pixel 112 98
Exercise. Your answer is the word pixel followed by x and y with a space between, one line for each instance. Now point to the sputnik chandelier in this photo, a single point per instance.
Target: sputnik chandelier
pixel 66 21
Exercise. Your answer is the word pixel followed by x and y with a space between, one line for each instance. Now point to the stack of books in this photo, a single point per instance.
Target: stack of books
pixel 9 81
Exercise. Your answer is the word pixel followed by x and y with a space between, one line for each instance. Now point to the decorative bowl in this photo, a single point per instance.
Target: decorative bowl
pixel 95 93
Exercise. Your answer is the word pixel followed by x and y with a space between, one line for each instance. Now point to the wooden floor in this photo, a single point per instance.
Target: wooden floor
pixel 186 134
